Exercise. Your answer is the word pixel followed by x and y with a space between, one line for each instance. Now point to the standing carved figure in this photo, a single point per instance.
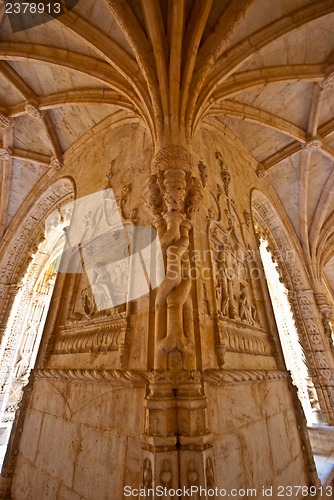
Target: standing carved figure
pixel 173 196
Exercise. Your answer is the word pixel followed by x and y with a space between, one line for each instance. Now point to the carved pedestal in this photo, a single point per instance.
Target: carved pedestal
pixel 177 451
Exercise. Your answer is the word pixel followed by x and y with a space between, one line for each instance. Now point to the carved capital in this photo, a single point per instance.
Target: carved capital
pixel 175 157
pixel 160 377
pixel 153 196
pixel 173 193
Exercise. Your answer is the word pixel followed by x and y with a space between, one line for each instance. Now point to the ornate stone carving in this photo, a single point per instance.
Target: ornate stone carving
pixel 173 197
pixel 92 338
pixel 203 172
pixel 302 301
pixel 247 312
pixel 117 377
pixel 147 474
pixel 312 145
pixel 241 338
pixel 248 218
pixel 192 473
pixel 5 121
pixel 104 290
pixel 10 460
pixel 231 274
pixel 30 229
pixel 206 302
pixel 5 154
pixel 328 82
pixel 232 376
pixel 56 163
pixel 261 171
pixel 209 473
pixel 173 157
pixel 224 173
pixel 33 111
pixel 166 475
pixel 160 377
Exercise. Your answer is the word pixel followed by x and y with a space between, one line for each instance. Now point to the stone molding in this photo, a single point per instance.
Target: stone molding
pixel 94 338
pixel 5 121
pixel 232 376
pixel 119 377
pixel 302 301
pixel 142 378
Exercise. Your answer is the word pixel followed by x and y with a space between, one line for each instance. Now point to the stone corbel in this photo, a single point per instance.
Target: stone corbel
pixel 261 171
pixel 33 111
pixel 56 163
pixel 312 145
pixel 5 154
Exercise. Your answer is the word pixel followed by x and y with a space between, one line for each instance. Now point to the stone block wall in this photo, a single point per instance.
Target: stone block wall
pixel 80 440
pixel 256 440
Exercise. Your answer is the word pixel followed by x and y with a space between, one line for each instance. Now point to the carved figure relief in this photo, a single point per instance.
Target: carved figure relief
pixel 233 289
pixel 192 473
pixel 147 474
pixel 209 472
pixel 172 195
pixel 102 255
pixel 166 474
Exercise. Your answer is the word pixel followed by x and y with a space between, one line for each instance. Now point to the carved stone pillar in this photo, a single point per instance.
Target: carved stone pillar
pixel 177 450
pixel 173 195
pixel 176 447
pixel 9 464
pixel 9 331
pixel 326 312
pixel 160 456
pixel 323 370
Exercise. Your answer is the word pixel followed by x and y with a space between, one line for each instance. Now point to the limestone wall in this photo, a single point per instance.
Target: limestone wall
pixel 80 440
pixel 82 436
pixel 255 437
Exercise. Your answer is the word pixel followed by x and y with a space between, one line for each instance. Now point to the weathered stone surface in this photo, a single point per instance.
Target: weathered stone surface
pixel 212 128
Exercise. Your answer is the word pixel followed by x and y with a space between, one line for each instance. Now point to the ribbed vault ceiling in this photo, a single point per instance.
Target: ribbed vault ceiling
pixel 262 70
